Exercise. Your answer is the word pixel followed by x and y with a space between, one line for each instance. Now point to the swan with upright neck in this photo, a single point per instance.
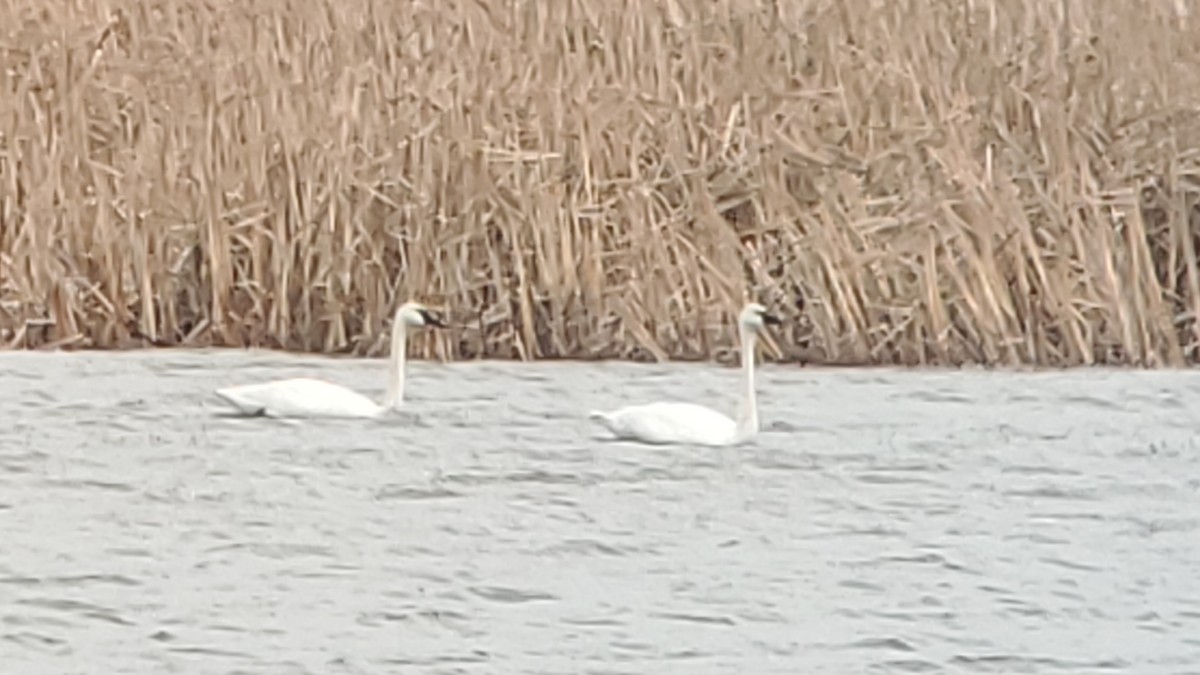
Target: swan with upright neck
pixel 673 422
pixel 305 397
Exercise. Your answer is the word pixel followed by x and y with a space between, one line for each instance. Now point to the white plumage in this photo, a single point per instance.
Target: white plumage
pixel 299 397
pixel 669 422
pixel 672 422
pixel 306 397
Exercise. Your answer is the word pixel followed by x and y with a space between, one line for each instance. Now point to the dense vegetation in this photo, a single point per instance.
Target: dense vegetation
pixel 944 181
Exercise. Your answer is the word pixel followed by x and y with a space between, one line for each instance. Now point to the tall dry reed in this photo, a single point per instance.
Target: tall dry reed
pixel 945 181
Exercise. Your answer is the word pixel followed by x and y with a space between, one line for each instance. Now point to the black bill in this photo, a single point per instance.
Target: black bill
pixel 433 319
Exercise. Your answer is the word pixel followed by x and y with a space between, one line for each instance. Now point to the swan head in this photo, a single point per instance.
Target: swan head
pixel 755 317
pixel 415 315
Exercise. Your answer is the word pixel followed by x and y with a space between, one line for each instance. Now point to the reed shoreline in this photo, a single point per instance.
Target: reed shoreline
pixel 1009 183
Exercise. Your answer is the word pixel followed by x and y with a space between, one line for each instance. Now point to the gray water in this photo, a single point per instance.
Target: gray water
pixel 883 522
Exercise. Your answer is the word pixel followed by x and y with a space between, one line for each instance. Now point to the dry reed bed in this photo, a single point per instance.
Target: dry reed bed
pixel 946 181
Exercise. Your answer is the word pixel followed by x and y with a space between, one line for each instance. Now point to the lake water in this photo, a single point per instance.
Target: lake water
pixel 883 522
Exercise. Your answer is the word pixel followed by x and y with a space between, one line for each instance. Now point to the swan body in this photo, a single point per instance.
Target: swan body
pixel 667 422
pixel 299 397
pixel 306 397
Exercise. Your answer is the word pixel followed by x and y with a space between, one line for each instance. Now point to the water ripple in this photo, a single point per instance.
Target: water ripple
pixel 885 521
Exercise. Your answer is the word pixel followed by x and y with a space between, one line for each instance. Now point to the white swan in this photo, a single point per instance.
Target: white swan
pixel 304 397
pixel 671 422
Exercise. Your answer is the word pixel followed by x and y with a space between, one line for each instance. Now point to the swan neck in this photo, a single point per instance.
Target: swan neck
pixel 748 417
pixel 395 390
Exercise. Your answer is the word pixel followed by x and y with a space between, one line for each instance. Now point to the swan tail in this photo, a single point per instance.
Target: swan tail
pixel 608 420
pixel 230 396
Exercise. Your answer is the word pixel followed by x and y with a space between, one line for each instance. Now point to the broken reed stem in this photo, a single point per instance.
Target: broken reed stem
pixel 944 182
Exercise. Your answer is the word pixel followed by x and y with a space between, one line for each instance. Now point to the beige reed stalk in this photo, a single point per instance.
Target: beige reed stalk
pixel 1002 182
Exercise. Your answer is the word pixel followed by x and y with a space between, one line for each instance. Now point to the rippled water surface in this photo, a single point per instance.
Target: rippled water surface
pixel 883 522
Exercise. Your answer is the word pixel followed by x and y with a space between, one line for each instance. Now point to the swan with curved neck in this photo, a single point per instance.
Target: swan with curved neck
pixel 305 397
pixel 672 422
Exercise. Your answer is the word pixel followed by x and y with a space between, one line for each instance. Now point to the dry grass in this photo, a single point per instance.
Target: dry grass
pixel 948 181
